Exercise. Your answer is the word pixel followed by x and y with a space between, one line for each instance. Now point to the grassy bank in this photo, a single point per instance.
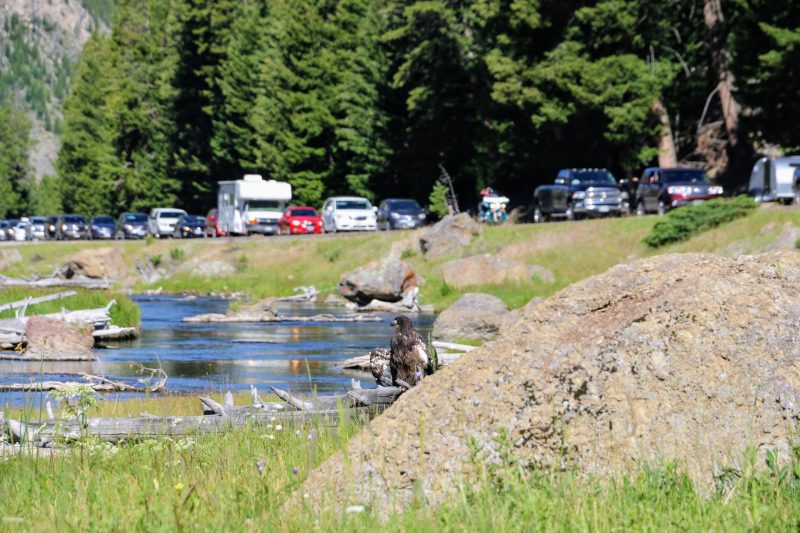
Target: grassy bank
pixel 124 313
pixel 260 267
pixel 239 480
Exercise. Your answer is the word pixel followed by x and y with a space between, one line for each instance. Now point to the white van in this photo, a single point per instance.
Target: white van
pixel 774 179
pixel 251 205
pixel 162 220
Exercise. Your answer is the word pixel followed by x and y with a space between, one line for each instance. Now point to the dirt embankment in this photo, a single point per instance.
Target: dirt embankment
pixel 688 357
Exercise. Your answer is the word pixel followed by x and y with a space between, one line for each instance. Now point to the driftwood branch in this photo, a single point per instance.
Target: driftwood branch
pixel 55 281
pixel 33 301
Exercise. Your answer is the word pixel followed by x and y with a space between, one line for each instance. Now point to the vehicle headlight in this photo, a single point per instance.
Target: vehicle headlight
pixel 579 195
pixel 63 227
pixel 186 228
pixel 393 215
pixel 295 222
pixel 421 216
pixel 715 189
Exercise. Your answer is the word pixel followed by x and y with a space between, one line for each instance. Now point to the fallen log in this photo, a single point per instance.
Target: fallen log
pixel 54 281
pixel 361 362
pixel 33 301
pixel 155 382
pixel 306 294
pixel 116 430
pixel 115 333
pixel 99 318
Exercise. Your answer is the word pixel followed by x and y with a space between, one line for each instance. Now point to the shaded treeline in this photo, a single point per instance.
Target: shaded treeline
pixel 369 96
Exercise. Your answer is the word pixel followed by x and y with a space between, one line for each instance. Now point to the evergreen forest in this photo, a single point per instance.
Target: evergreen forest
pixel 369 97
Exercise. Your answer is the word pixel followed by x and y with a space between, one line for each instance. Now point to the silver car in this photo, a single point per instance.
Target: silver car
pixel 36 230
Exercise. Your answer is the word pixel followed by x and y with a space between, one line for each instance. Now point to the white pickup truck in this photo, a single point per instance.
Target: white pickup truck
pixel 162 220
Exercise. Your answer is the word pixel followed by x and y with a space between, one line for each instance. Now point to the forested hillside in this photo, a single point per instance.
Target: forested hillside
pixel 369 96
pixel 40 44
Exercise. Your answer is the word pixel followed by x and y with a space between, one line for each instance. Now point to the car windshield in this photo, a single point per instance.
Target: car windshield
pixel 3 224
pixel 303 213
pixel 602 177
pixel 170 214
pixel 74 219
pixel 135 218
pixel 683 176
pixel 404 205
pixel 102 220
pixel 38 220
pixel 193 219
pixel 353 204
pixel 264 205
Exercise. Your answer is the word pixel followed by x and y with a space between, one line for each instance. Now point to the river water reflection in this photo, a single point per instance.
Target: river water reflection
pixel 298 356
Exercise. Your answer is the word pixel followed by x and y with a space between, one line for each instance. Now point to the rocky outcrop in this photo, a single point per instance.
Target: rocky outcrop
pixel 55 340
pixel 474 316
pixel 692 358
pixel 387 281
pixel 449 236
pixel 96 263
pixel 487 269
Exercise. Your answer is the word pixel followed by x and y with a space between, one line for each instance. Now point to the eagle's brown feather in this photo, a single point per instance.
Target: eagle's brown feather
pixel 409 357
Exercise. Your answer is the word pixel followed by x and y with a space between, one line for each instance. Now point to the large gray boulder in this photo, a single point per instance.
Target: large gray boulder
pixel 449 236
pixel 55 340
pixel 474 316
pixel 387 281
pixel 687 358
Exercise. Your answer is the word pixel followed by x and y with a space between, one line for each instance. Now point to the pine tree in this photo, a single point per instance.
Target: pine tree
pixel 87 164
pixel 15 178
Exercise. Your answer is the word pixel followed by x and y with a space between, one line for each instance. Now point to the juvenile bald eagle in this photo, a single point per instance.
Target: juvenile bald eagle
pixel 409 358
pixel 380 367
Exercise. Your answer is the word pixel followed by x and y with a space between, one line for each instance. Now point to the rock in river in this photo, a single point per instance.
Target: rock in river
pixel 386 281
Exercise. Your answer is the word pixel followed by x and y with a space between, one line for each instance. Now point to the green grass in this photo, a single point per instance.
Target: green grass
pixel 213 483
pixel 263 267
pixel 124 313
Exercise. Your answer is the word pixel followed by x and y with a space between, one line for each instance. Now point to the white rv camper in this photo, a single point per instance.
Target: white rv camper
pixel 774 179
pixel 251 205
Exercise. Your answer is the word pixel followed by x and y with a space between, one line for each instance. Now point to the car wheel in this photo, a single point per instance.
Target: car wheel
pixel 570 212
pixel 797 197
pixel 662 208
pixel 640 210
pixel 538 215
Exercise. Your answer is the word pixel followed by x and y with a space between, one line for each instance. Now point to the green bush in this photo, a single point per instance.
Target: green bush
pixel 685 222
pixel 177 254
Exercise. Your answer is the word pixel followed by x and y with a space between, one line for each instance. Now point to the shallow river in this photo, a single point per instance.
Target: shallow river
pixel 298 356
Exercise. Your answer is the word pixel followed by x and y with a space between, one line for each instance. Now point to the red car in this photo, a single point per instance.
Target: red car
pixel 300 220
pixel 212 224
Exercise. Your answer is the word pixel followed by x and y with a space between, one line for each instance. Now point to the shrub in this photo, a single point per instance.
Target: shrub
pixel 149 239
pixel 177 254
pixel 437 201
pixel 685 222
pixel 241 263
pixel 156 260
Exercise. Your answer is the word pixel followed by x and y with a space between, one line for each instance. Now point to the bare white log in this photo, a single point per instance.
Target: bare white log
pixel 453 346
pixel 76 281
pixel 291 400
pixel 229 399
pixel 306 294
pixel 33 301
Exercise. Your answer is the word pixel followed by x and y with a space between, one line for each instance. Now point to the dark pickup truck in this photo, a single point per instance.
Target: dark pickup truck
pixel 580 192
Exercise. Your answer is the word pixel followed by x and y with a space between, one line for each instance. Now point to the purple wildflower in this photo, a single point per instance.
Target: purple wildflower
pixel 295 470
pixel 260 466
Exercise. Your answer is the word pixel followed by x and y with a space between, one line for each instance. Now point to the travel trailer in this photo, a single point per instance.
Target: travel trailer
pixel 774 179
pixel 251 205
